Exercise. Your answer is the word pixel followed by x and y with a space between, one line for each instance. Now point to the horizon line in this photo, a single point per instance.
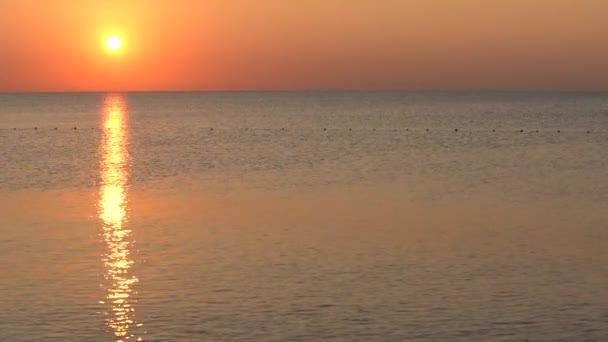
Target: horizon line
pixel 311 91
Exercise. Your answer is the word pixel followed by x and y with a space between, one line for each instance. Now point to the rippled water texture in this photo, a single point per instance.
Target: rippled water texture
pixel 304 216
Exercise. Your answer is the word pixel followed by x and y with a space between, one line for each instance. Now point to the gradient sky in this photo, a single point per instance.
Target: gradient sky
pixel 56 45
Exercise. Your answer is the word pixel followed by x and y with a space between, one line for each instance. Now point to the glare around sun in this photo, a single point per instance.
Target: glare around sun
pixel 113 43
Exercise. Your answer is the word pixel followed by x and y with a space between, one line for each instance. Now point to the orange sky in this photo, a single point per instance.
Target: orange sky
pixel 55 45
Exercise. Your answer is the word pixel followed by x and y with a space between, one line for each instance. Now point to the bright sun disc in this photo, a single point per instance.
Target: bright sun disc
pixel 113 43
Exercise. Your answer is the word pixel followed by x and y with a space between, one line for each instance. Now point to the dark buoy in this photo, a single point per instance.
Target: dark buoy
pixel 427 129
pixel 558 131
pixel 35 128
pixel 211 129
pixel 536 131
pixel 325 129
pixel 373 129
pixel 14 129
pixel 55 128
pixel 282 129
pixel 407 129
pixel 588 132
pixel 493 130
pixel 521 131
pixel 75 128
pixel 456 130
pixel 350 129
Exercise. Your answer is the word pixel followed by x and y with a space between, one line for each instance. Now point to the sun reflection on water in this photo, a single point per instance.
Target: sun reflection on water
pixel 113 204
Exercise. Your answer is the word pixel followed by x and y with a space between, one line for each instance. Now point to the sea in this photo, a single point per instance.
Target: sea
pixel 304 216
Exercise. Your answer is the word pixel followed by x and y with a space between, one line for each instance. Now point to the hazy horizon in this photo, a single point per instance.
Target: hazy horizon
pixel 308 91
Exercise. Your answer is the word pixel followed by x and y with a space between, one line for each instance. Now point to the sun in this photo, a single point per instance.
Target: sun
pixel 113 43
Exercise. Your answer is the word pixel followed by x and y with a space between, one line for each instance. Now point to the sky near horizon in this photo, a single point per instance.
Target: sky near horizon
pixel 57 45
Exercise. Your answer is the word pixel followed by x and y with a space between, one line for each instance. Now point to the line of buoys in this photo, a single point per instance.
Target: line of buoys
pixel 36 128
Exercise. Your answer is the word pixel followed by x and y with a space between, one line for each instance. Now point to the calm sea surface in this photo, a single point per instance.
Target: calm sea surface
pixel 304 217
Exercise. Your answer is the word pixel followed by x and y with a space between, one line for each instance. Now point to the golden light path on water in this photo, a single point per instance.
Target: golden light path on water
pixel 113 205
